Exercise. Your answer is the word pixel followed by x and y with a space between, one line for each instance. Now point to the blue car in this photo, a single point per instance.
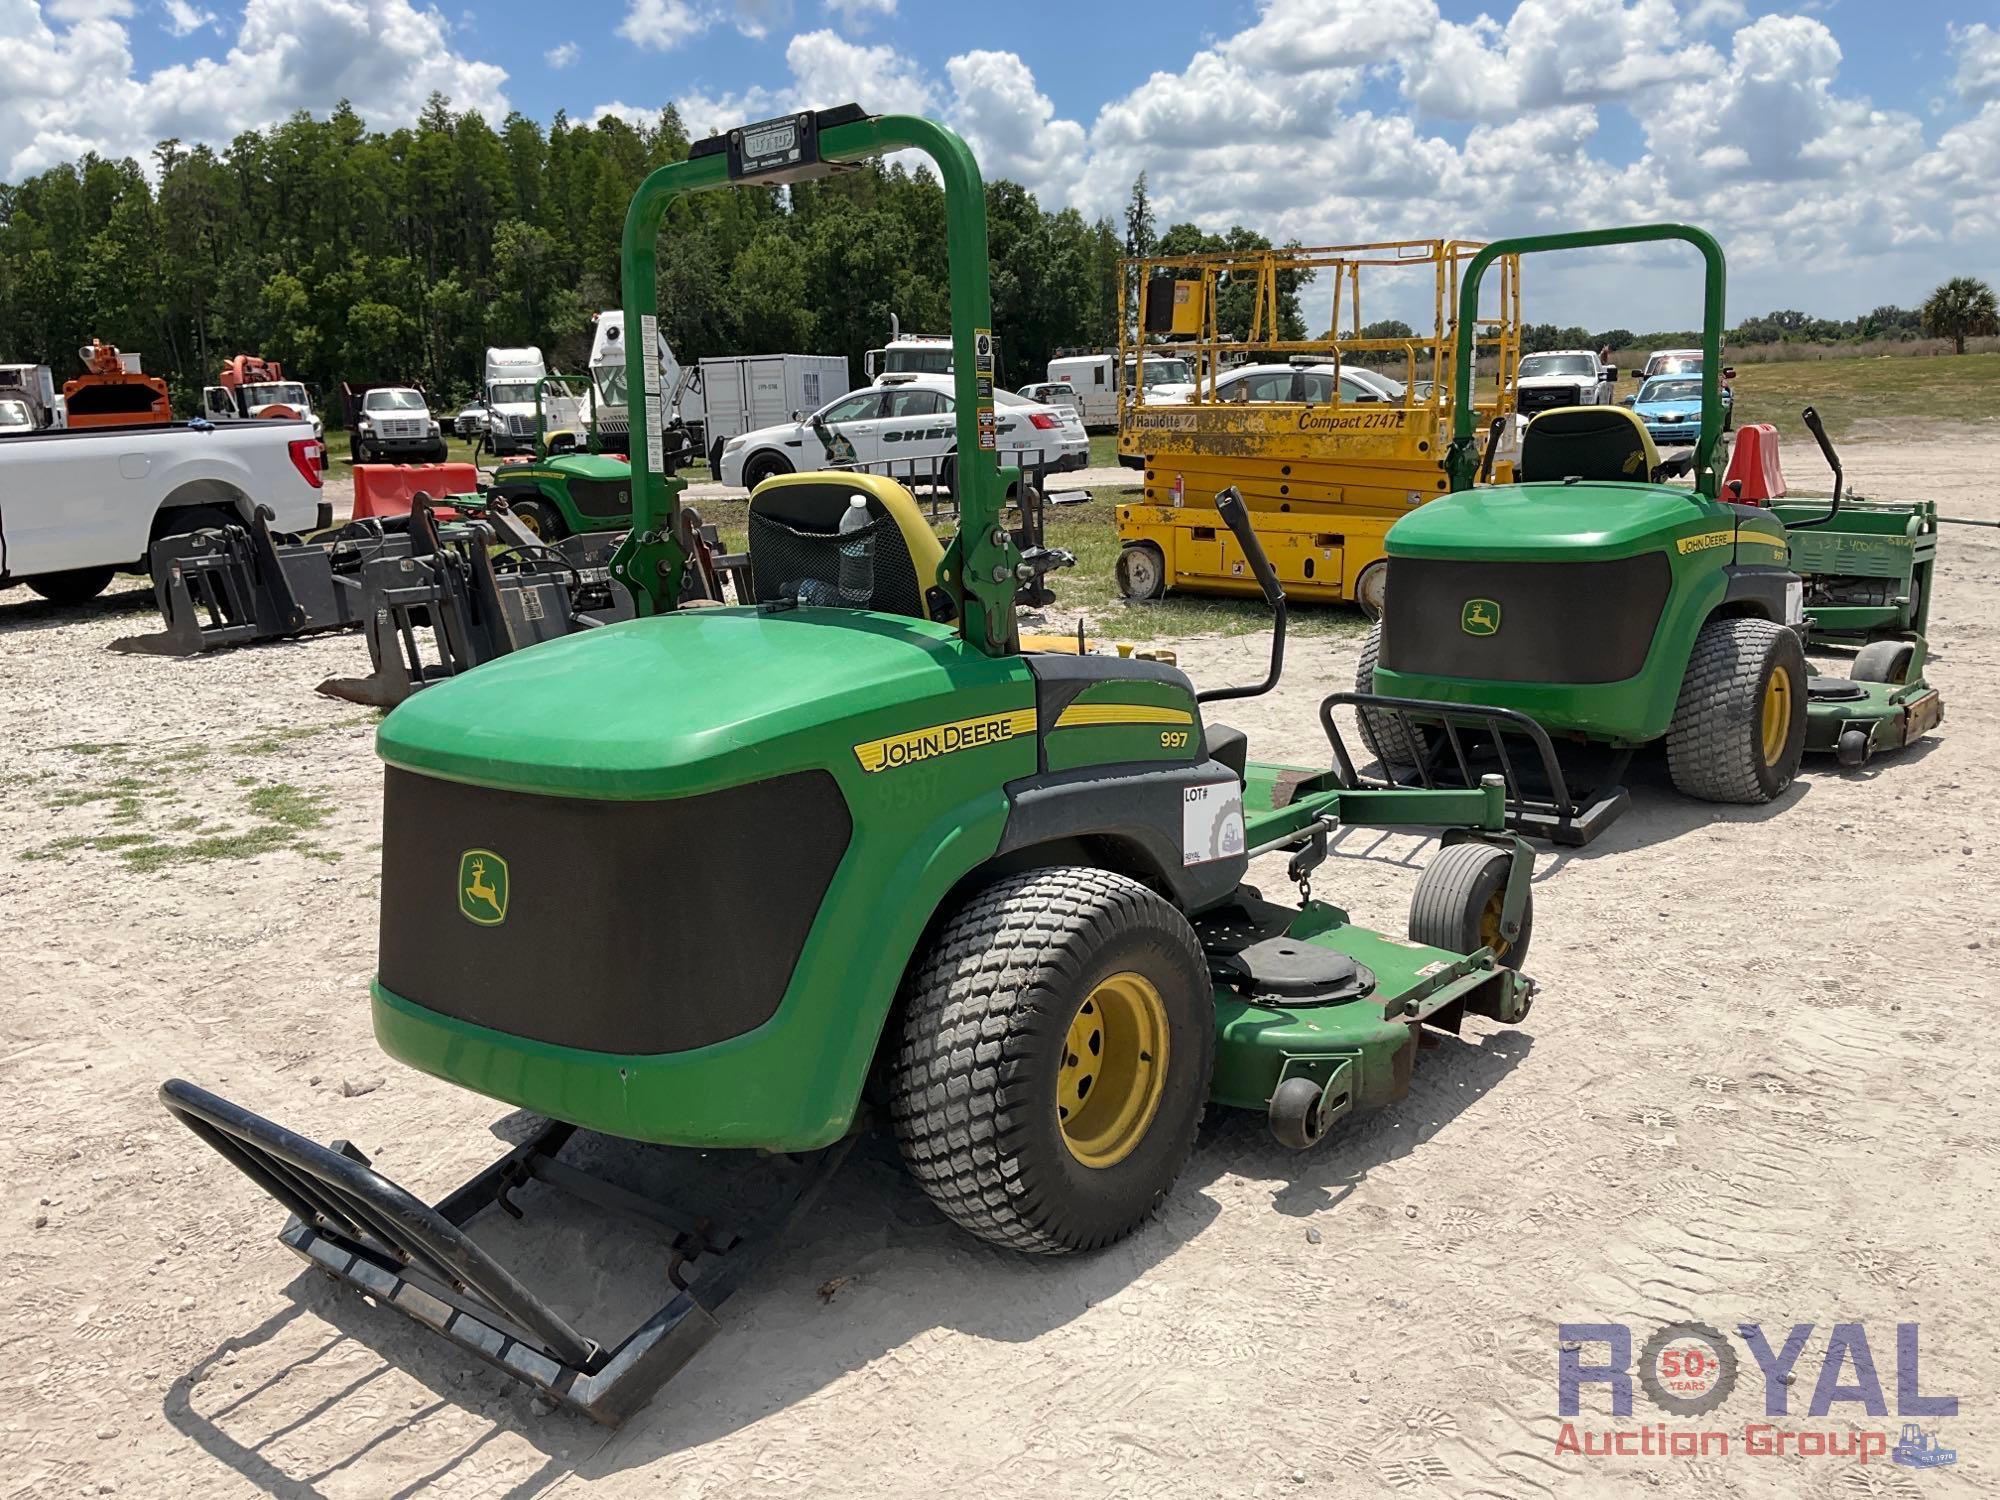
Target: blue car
pixel 1670 406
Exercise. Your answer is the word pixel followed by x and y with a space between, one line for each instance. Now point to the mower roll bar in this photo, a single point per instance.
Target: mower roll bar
pixel 979 566
pixel 1462 460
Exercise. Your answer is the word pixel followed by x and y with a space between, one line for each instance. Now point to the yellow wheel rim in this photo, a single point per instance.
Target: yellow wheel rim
pixel 531 521
pixel 1489 924
pixel 1114 1070
pixel 1777 725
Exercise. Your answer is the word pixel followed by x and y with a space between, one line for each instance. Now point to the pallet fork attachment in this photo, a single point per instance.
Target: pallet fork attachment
pixel 476 612
pixel 229 586
pixel 371 1235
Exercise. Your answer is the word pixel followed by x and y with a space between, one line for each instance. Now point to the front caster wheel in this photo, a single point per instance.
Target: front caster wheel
pixel 1852 749
pixel 1458 903
pixel 1298 1115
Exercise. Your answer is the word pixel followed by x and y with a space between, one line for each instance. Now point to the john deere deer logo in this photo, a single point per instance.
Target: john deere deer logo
pixel 1479 617
pixel 482 887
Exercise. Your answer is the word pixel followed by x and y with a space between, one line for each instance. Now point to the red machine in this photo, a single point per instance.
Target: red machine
pixel 113 393
pixel 250 369
pixel 390 489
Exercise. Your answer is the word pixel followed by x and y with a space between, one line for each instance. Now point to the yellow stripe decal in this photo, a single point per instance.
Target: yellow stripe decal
pixel 906 749
pixel 1090 715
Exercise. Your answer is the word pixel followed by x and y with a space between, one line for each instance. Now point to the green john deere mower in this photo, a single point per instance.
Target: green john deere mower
pixel 571 487
pixel 1545 630
pixel 746 876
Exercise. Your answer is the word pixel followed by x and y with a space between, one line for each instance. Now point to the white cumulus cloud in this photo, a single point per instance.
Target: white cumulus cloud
pixel 70 88
pixel 184 19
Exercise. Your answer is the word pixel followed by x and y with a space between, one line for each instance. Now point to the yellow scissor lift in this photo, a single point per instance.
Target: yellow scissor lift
pixel 1324 480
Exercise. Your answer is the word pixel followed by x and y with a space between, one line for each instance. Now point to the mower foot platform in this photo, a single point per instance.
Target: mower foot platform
pixel 1455 744
pixel 365 1231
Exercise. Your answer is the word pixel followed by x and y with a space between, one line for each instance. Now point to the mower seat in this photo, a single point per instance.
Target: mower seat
pixel 1227 745
pixel 1603 443
pixel 795 542
pixel 1754 477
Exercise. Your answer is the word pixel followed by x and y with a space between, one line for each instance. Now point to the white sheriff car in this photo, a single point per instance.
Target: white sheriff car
pixel 905 426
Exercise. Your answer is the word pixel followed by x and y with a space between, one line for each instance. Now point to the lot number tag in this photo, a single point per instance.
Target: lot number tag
pixel 1211 822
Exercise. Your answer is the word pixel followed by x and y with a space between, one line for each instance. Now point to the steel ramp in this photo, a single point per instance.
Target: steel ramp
pixel 368 1233
pixel 1460 743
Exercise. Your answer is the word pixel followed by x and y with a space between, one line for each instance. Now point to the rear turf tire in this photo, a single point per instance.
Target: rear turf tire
pixel 1385 738
pixel 542 518
pixel 72 586
pixel 1726 742
pixel 994 1031
pixel 1457 904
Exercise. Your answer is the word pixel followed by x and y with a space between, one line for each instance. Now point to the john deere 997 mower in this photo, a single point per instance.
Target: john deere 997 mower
pixel 1548 628
pixel 714 877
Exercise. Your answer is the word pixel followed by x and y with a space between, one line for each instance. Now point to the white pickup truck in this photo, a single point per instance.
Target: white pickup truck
pixel 78 506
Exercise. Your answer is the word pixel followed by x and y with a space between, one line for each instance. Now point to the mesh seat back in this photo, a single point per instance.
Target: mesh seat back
pixel 795 542
pixel 1605 443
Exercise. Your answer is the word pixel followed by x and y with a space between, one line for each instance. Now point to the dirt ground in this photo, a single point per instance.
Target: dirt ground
pixel 1758 1087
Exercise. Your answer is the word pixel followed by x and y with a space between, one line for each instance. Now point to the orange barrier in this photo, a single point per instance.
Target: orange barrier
pixel 388 489
pixel 1754 466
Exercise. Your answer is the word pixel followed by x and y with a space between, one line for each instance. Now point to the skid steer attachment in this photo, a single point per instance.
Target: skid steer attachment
pixel 369 1234
pixel 477 610
pixel 232 585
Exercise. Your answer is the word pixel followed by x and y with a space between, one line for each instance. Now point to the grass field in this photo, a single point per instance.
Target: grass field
pixel 1853 394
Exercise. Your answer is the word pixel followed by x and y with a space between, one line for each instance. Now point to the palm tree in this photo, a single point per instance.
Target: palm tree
pixel 1961 308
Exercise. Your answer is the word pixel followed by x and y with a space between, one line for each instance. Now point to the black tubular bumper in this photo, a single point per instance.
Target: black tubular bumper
pixel 1458 744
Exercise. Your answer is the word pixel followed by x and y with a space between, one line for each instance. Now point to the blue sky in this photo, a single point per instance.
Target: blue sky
pixel 1847 152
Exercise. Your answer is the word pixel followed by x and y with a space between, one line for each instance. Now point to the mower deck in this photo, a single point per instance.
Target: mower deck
pixel 1306 993
pixel 1854 719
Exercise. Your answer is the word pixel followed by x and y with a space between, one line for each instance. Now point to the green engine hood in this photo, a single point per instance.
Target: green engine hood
pixel 1518 522
pixel 566 466
pixel 692 701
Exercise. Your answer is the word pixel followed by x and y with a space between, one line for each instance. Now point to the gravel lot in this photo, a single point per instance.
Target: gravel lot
pixel 1758 1087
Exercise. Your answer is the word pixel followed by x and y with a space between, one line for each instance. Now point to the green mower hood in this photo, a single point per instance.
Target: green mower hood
pixel 1527 522
pixel 695 700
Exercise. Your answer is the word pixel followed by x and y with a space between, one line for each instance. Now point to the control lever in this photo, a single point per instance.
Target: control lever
pixel 1492 447
pixel 1818 429
pixel 1236 515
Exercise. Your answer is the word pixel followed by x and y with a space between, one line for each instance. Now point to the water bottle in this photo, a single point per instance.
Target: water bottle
pixel 857 555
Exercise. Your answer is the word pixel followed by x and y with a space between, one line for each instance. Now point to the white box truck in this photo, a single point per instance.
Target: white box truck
pixel 510 398
pixel 743 392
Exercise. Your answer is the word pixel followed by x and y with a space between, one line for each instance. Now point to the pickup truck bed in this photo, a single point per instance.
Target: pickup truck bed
pixel 77 506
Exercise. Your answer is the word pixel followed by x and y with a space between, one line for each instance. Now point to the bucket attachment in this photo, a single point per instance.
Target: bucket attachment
pixel 363 1230
pixel 477 609
pixel 1454 745
pixel 229 586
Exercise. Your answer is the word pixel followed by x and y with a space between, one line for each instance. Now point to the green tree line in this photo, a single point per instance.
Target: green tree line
pixel 367 256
